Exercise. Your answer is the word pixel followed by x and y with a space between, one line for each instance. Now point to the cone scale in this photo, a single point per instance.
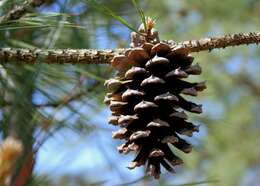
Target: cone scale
pixel 148 101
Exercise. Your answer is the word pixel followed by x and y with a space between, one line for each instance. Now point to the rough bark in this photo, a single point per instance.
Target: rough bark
pixel 92 56
pixel 229 40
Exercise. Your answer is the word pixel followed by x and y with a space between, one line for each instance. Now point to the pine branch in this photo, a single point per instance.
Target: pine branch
pixel 229 40
pixel 18 11
pixel 73 56
pixel 92 56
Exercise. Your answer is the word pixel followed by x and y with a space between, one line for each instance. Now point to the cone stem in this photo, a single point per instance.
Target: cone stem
pixel 92 56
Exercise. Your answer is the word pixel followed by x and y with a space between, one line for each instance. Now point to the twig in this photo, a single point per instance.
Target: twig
pixel 229 40
pixel 18 11
pixel 73 56
pixel 92 56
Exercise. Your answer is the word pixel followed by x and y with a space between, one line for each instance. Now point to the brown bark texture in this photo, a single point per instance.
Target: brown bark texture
pixel 95 56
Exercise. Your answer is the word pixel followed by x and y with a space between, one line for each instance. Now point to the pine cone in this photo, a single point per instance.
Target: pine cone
pixel 147 103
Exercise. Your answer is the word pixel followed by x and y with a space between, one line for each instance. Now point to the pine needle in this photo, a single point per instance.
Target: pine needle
pixel 141 13
pixel 103 9
pixel 36 21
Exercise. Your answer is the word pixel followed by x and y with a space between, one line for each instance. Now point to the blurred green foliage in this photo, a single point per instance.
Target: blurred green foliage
pixel 41 100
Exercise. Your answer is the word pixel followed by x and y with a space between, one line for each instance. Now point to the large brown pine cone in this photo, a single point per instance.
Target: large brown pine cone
pixel 147 103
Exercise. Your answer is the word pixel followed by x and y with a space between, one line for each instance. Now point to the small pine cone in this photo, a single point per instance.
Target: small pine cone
pixel 10 150
pixel 146 100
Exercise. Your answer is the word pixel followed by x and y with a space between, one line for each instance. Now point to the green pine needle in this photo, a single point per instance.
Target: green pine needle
pixel 141 14
pixel 103 9
pixel 33 21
